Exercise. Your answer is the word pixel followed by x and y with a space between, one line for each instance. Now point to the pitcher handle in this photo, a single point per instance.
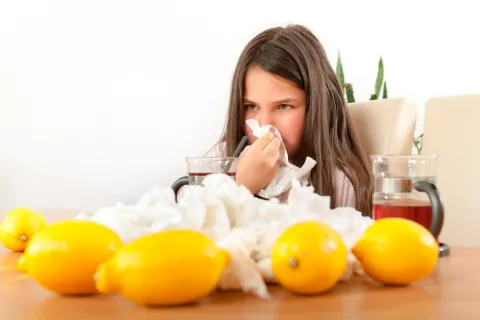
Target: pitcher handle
pixel 437 207
pixel 177 185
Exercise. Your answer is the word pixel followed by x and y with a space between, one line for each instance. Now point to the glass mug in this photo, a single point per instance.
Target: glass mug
pixel 405 187
pixel 200 167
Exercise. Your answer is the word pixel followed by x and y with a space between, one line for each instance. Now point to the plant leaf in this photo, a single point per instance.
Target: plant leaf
pixel 417 143
pixel 373 97
pixel 350 95
pixel 379 80
pixel 339 71
pixel 385 92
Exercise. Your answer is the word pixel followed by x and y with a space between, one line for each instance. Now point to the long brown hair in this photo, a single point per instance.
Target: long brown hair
pixel 296 54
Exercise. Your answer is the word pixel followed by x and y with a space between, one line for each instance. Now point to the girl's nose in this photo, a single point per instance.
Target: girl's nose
pixel 264 118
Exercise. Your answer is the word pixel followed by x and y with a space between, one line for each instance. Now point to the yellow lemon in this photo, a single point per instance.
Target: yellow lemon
pixel 19 226
pixel 309 258
pixel 396 251
pixel 171 267
pixel 64 256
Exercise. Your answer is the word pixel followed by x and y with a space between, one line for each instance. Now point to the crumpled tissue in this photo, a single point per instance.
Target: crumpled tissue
pixel 287 172
pixel 242 224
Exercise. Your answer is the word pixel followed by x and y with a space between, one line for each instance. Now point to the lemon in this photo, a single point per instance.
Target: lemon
pixel 396 251
pixel 64 256
pixel 309 258
pixel 171 267
pixel 19 226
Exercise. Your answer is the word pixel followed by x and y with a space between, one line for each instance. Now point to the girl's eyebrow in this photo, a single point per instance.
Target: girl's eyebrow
pixel 245 100
pixel 280 101
pixel 285 100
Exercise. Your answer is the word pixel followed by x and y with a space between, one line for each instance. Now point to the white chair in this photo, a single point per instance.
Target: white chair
pixel 385 126
pixel 452 130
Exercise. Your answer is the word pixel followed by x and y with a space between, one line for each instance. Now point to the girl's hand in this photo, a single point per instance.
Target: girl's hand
pixel 259 164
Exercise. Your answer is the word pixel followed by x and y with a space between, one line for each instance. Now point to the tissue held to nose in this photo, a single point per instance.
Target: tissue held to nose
pixel 271 174
pixel 260 163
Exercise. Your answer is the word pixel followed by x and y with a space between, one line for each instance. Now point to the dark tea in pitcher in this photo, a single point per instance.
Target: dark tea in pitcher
pixel 419 211
pixel 405 188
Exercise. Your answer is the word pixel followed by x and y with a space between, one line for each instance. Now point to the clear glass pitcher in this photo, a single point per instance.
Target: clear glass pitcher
pixel 405 187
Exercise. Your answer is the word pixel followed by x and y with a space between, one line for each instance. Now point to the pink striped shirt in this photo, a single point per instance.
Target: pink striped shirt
pixel 345 192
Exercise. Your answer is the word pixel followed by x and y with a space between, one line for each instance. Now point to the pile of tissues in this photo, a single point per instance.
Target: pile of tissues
pixel 239 222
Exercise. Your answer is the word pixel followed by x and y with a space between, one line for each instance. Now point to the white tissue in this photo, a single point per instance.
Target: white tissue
pixel 242 272
pixel 265 268
pixel 121 219
pixel 287 172
pixel 242 224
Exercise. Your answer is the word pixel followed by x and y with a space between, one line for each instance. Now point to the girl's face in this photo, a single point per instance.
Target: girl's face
pixel 270 99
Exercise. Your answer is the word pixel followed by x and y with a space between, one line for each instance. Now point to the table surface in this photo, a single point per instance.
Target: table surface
pixel 452 291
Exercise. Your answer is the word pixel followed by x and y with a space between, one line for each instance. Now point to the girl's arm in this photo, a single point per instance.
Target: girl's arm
pixel 345 192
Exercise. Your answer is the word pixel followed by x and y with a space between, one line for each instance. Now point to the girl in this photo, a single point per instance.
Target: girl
pixel 283 78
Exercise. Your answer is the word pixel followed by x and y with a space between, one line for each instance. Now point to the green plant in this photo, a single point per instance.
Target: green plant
pixel 380 87
pixel 380 84
pixel 417 143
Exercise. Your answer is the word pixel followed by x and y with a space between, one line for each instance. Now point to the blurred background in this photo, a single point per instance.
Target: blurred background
pixel 102 100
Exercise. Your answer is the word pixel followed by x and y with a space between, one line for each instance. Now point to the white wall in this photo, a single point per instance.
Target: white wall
pixel 101 100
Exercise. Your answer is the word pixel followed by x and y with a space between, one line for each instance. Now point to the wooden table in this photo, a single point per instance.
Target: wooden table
pixel 452 292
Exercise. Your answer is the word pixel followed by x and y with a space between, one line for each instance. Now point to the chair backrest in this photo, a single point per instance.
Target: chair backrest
pixel 452 130
pixel 385 126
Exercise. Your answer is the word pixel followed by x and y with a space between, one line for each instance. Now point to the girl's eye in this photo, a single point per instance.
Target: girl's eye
pixel 284 106
pixel 251 107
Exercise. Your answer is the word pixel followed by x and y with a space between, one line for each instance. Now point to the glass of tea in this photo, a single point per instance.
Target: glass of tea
pixel 405 188
pixel 200 167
